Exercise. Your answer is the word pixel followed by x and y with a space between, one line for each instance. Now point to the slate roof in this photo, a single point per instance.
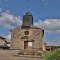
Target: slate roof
pixel 28 13
pixel 3 38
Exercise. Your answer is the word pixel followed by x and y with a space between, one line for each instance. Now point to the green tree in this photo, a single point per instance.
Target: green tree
pixel 54 55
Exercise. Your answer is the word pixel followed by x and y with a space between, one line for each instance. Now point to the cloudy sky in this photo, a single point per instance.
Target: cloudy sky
pixel 46 15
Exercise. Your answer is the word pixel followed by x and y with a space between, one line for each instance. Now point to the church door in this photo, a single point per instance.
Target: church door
pixel 25 44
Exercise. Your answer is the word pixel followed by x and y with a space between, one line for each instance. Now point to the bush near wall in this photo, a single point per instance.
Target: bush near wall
pixel 54 55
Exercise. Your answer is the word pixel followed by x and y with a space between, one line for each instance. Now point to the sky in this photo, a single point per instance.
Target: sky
pixel 46 15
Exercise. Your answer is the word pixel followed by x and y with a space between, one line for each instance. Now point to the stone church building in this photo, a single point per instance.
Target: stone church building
pixel 27 35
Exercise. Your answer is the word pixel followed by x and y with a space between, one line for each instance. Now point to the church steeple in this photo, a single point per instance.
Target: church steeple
pixel 28 13
pixel 27 19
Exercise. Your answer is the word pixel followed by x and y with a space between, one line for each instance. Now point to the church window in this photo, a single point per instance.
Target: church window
pixel 26 32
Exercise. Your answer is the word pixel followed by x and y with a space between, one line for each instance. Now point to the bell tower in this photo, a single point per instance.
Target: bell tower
pixel 27 19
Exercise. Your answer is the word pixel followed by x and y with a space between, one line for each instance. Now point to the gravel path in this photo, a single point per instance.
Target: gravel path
pixel 9 55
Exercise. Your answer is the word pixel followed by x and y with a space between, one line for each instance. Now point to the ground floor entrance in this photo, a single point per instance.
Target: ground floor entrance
pixel 27 44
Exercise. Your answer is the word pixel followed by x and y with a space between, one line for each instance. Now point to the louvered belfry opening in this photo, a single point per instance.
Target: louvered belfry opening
pixel 27 20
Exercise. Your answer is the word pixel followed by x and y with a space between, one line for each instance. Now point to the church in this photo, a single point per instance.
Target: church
pixel 27 35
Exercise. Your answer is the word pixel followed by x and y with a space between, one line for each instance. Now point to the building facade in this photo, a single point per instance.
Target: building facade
pixel 27 36
pixel 3 42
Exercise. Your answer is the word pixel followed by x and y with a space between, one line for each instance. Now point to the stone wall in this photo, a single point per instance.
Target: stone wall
pixel 34 35
pixel 2 42
pixel 37 36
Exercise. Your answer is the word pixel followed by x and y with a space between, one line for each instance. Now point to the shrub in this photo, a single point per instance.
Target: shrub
pixel 20 53
pixel 54 55
pixel 39 53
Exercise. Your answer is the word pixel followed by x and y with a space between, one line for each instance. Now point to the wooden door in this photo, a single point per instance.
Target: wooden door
pixel 25 44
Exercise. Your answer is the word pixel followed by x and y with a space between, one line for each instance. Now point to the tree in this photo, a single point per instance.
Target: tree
pixel 55 55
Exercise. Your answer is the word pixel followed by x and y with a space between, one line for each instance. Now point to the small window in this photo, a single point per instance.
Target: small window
pixel 26 32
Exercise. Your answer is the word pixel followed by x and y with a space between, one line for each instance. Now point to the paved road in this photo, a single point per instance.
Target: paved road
pixel 9 55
